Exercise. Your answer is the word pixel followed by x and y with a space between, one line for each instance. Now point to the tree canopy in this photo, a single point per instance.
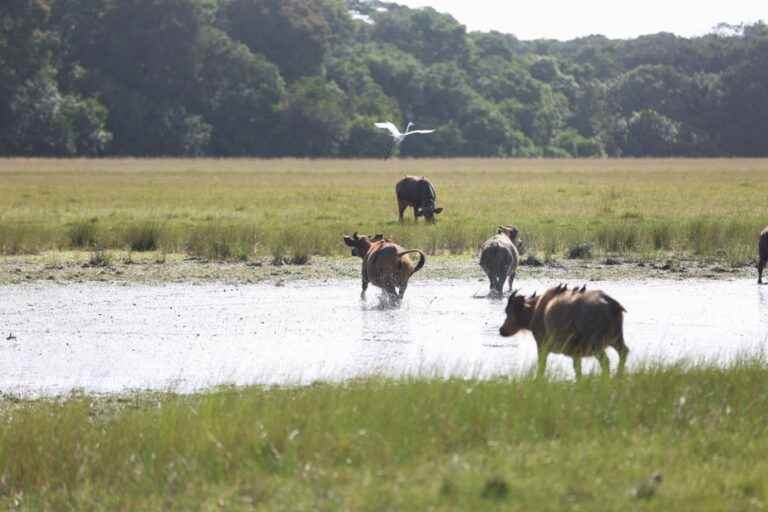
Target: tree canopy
pixel 310 77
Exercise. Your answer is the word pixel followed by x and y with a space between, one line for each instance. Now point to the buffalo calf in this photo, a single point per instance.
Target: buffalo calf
pixel 576 323
pixel 385 264
pixel 499 258
pixel 418 193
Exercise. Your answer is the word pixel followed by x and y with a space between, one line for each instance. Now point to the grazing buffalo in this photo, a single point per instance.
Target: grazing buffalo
pixel 418 193
pixel 499 258
pixel 576 323
pixel 385 264
pixel 762 254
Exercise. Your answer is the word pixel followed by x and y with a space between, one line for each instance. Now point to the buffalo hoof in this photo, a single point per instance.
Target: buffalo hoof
pixel 495 294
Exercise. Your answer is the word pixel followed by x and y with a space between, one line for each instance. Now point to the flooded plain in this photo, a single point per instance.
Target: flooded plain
pixel 180 337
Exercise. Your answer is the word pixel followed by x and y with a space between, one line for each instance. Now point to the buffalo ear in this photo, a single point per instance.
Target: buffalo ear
pixel 513 232
pixel 377 237
pixel 349 241
pixel 438 210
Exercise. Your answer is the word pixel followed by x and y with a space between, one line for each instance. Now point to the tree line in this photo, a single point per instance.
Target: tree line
pixel 308 78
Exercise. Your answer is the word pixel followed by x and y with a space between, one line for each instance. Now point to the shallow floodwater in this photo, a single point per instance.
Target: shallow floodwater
pixel 181 337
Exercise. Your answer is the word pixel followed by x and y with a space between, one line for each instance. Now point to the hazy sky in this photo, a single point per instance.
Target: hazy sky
pixel 567 19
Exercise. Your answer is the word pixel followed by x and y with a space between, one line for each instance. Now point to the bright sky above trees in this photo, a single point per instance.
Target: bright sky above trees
pixel 567 19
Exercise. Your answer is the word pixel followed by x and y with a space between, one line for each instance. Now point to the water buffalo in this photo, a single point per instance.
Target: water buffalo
pixel 577 323
pixel 499 258
pixel 762 252
pixel 385 264
pixel 418 193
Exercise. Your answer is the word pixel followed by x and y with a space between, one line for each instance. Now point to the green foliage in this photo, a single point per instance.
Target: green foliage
pixel 44 122
pixel 314 118
pixel 430 36
pixel 237 92
pixel 649 133
pixel 294 34
pixel 296 78
pixel 576 144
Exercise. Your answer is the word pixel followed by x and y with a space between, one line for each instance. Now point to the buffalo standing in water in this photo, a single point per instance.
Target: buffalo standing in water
pixel 385 264
pixel 576 323
pixel 499 258
pixel 418 193
pixel 762 254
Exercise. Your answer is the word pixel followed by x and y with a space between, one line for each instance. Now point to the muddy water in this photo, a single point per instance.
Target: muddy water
pixel 109 338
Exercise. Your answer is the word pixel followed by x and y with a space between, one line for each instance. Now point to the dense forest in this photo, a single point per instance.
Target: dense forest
pixel 310 77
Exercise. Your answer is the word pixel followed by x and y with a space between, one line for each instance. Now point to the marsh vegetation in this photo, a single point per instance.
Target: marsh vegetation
pixel 412 444
pixel 291 210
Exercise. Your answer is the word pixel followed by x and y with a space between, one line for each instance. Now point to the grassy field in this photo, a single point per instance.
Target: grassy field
pixel 424 444
pixel 293 209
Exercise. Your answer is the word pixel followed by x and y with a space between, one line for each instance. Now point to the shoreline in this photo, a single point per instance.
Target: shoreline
pixel 123 267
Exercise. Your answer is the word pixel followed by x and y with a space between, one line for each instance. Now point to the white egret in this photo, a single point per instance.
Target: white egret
pixel 395 133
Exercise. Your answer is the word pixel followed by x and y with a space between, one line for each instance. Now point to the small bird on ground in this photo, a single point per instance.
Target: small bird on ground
pixel 10 337
pixel 398 137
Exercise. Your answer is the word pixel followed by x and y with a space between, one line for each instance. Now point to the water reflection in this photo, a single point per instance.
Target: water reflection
pixel 112 338
pixel 762 294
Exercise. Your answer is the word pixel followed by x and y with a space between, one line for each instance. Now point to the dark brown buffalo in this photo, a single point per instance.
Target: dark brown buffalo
pixel 418 193
pixel 385 264
pixel 499 258
pixel 762 254
pixel 576 323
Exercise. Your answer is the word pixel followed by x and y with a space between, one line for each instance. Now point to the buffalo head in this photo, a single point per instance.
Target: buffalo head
pixel 519 312
pixel 429 212
pixel 361 244
pixel 510 231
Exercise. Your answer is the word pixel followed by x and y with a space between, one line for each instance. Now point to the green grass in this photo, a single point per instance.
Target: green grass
pixel 232 209
pixel 411 444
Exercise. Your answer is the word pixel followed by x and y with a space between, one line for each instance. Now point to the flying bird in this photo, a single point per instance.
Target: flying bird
pixel 397 136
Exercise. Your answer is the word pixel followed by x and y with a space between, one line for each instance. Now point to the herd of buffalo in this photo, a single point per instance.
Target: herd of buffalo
pixel 574 322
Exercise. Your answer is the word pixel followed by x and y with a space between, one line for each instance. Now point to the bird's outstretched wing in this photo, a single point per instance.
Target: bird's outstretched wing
pixel 389 126
pixel 422 131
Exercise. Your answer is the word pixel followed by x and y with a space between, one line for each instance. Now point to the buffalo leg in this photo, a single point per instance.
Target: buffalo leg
pixel 760 267
pixel 365 282
pixel 511 280
pixel 623 351
pixel 403 287
pixel 392 295
pixel 494 283
pixel 577 367
pixel 605 364
pixel 401 206
pixel 542 367
pixel 500 280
